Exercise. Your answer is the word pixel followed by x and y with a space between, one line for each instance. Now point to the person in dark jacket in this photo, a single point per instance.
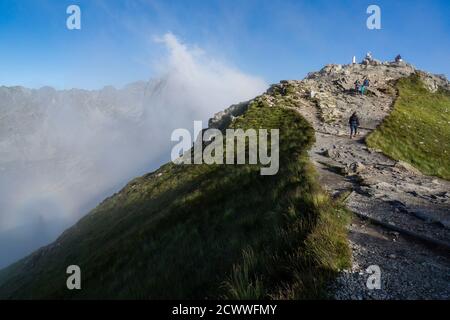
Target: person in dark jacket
pixel 357 85
pixel 366 82
pixel 354 124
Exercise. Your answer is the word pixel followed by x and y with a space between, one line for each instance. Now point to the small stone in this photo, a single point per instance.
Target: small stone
pixel 329 153
pixel 394 233
pixel 407 167
pixel 357 167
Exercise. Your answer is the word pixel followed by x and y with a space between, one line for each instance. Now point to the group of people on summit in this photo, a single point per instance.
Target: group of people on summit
pixel 361 87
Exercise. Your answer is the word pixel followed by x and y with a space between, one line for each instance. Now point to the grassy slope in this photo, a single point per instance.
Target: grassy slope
pixel 418 129
pixel 202 231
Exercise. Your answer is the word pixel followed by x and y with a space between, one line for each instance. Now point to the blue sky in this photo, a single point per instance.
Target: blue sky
pixel 274 39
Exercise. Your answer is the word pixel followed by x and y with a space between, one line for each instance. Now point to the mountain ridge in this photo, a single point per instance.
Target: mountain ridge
pixel 325 99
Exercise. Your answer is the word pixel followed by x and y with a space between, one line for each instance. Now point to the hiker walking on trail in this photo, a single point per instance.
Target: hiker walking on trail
pixel 354 124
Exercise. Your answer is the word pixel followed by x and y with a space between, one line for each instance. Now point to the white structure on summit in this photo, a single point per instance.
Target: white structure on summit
pixel 354 60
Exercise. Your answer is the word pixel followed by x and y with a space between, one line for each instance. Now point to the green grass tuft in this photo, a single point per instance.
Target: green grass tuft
pixel 418 129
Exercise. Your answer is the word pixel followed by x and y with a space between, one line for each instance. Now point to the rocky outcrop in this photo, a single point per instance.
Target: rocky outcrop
pixel 433 82
pixel 222 119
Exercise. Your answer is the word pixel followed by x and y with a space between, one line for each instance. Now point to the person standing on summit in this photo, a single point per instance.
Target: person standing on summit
pixel 354 124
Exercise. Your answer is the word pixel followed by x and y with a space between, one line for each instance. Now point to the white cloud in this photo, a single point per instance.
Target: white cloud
pixel 67 150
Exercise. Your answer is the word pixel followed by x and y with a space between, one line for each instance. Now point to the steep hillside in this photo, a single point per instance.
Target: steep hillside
pixel 63 151
pixel 418 129
pixel 203 231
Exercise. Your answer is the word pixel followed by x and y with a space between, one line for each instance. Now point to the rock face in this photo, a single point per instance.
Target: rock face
pixel 434 82
pixel 223 119
pixel 334 80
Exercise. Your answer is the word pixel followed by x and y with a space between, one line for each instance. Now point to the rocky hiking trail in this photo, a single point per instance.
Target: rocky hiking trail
pixel 401 217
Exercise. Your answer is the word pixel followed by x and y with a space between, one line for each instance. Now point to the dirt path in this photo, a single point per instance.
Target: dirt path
pixel 409 269
pixel 383 189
